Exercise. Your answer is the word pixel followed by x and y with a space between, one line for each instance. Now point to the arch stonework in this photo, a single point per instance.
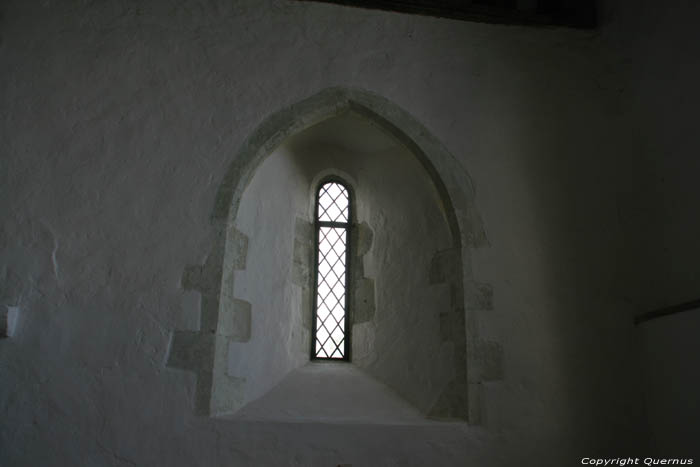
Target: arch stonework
pixel 225 319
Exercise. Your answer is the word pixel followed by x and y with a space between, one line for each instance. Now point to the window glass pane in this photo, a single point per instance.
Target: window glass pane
pixel 333 206
pixel 333 202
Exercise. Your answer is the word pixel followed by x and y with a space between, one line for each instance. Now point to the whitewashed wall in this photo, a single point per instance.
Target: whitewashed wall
pixel 119 120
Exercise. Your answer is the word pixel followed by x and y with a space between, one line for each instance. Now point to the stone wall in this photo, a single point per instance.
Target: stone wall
pixel 121 122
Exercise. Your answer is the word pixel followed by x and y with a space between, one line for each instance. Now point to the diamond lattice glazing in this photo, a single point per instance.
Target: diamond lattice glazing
pixel 333 203
pixel 333 207
pixel 330 293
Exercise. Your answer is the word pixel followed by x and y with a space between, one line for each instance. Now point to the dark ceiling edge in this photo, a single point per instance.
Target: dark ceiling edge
pixel 585 20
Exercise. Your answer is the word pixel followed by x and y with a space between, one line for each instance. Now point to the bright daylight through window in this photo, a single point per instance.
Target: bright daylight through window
pixel 332 224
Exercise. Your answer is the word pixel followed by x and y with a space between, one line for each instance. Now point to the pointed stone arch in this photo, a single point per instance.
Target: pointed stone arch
pixel 225 319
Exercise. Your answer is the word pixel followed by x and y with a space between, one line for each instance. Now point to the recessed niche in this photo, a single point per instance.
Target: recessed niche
pixel 398 351
pixel 412 218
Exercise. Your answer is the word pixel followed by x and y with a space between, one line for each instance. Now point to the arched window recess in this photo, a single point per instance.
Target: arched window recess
pixel 330 336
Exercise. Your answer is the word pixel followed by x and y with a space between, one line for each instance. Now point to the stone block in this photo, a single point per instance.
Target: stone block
pixel 9 316
pixel 301 263
pixel 303 230
pixel 191 277
pixel 364 305
pixel 190 350
pixel 489 358
pixel 234 320
pixel 191 311
pixel 237 242
pixel 479 296
pixel 445 267
pixel 362 239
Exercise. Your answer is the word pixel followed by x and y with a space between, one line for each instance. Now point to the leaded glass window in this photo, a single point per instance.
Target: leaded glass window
pixel 330 340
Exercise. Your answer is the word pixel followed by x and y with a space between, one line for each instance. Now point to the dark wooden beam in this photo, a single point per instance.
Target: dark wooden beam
pixel 670 310
pixel 570 13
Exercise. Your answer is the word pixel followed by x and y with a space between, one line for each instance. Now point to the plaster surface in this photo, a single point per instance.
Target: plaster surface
pixel 330 392
pixel 278 343
pixel 121 121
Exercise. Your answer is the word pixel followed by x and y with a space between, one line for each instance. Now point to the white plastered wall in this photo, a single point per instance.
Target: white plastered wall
pixel 119 121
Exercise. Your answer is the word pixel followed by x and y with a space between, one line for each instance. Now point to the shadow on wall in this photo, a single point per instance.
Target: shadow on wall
pixel 670 350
